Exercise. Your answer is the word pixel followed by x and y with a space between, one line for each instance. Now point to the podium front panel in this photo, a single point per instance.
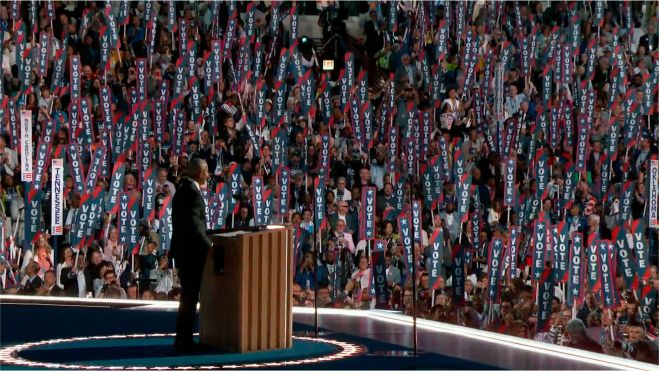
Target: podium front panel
pixel 248 305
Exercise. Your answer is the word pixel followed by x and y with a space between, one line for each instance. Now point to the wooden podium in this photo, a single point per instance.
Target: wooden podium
pixel 246 298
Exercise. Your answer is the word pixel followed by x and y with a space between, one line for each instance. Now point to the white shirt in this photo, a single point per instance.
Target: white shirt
pixel 453 103
pixel 449 219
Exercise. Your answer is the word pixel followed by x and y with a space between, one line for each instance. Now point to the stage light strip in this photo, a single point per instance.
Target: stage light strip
pixel 9 355
pixel 66 300
pixel 572 354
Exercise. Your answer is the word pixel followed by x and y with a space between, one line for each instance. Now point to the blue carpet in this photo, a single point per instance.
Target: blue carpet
pixel 157 352
pixel 25 323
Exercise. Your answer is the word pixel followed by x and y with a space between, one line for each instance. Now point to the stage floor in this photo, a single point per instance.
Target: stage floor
pixel 93 335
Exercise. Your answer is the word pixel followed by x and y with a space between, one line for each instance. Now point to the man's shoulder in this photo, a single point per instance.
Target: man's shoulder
pixel 185 187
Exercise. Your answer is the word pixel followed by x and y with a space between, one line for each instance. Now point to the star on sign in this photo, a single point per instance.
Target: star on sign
pixel 537 274
pixel 541 226
pixel 124 197
pixel 380 245
pixel 370 192
pixel 577 239
pixel 575 292
pixel 123 238
pixel 497 243
pixel 492 292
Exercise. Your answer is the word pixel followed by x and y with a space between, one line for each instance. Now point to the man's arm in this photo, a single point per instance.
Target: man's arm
pixel 199 223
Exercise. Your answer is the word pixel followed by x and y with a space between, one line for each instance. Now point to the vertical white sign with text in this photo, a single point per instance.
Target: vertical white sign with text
pixel 57 200
pixel 26 146
pixel 654 194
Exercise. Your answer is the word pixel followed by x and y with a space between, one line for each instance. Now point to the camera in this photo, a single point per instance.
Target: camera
pixel 627 347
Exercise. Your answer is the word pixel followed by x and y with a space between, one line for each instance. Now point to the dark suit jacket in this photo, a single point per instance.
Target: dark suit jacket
pixel 189 240
pixel 56 291
pixel 416 74
pixel 30 287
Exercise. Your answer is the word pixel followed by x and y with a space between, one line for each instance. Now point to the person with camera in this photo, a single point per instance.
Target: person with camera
pixel 50 287
pixel 163 185
pixel 555 335
pixel 342 238
pixel 111 287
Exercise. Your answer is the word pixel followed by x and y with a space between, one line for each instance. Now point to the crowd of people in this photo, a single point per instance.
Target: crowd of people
pixel 444 131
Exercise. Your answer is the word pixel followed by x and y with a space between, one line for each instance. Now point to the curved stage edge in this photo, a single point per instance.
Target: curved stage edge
pixel 384 338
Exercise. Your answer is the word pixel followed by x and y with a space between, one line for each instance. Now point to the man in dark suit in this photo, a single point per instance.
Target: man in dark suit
pixel 374 34
pixel 33 282
pixel 649 40
pixel 49 287
pixel 189 247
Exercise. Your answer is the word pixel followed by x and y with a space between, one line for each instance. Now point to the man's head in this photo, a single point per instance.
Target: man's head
pixel 388 189
pixel 343 207
pixel 424 282
pixel 49 278
pixel 388 259
pixel 341 184
pixel 198 170
pixel 365 174
pixel 469 288
pixel 557 319
pixel 512 89
pixel 151 247
pixel 244 212
pixel 575 209
pixel 405 59
pixel 162 175
pixel 330 256
pixel 308 259
pixel 75 200
pixel 636 333
pixel 323 296
pixel 97 258
pixel 576 329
